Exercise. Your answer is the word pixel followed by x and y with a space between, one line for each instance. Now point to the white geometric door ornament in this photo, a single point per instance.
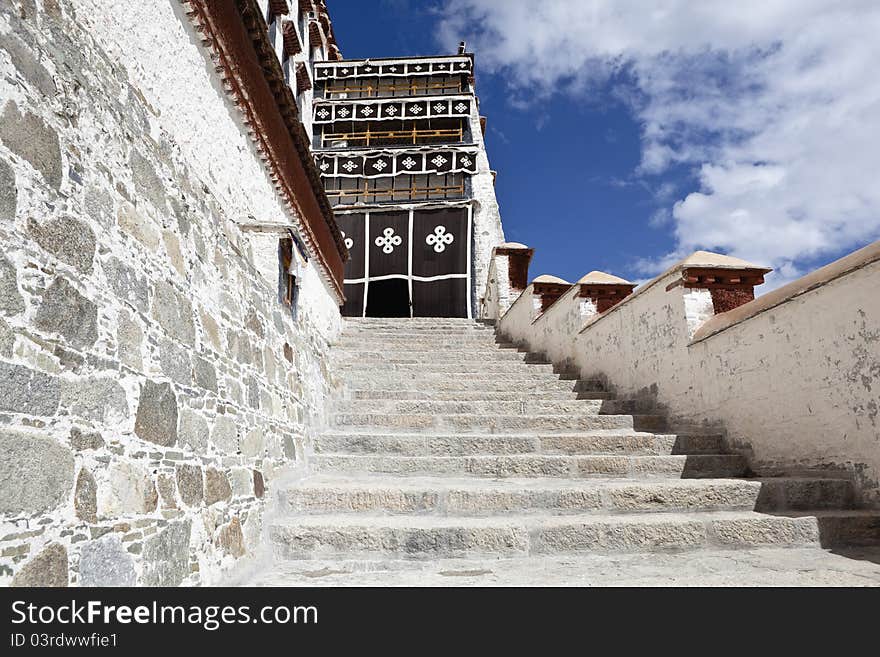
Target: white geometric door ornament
pixel 389 241
pixel 439 239
pixel 348 241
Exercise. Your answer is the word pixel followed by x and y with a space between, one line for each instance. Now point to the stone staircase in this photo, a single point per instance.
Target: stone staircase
pixel 447 445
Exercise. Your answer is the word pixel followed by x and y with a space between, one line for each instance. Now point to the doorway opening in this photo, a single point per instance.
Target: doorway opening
pixel 388 298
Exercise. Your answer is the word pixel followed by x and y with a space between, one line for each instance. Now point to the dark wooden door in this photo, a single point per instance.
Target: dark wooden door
pixel 408 263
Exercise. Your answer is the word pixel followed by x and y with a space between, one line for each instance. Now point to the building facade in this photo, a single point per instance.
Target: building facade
pixel 399 146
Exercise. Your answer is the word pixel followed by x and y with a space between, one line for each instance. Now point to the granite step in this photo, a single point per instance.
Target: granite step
pixel 431 537
pixel 441 496
pixel 418 357
pixel 501 395
pixel 529 406
pixel 462 366
pixel 444 382
pixel 689 466
pixel 599 442
pixel 492 423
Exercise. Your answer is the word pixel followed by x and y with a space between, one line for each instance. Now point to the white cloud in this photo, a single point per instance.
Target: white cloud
pixel 776 103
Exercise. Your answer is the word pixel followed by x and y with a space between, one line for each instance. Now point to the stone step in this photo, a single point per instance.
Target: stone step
pixel 430 537
pixel 461 366
pixel 537 465
pixel 522 382
pixel 491 423
pixel 367 337
pixel 415 321
pixel 626 443
pixel 418 357
pixel 415 331
pixel 425 345
pixel 538 406
pixel 805 494
pixel 464 497
pixel 503 395
pixel 845 528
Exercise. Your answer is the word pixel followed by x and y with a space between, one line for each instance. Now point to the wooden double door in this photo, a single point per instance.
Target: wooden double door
pixel 408 263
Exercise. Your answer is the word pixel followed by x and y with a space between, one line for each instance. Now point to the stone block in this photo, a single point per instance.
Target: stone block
pixel 68 239
pixel 231 539
pixel 126 284
pixel 193 431
pixel 28 136
pixel 217 488
pixel 65 311
pixel 106 562
pixel 48 568
pixel 36 474
pixel 190 484
pixel 156 419
pixel 130 490
pixel 80 440
pixel 85 497
pixel 242 482
pixel 147 181
pixel 8 192
pixel 166 555
pixel 174 362
pixel 7 339
pixel 204 374
pixel 253 443
pixel 225 434
pixel 167 491
pixel 139 227
pixel 174 313
pixel 11 301
pixel 23 390
pixel 129 338
pixel 99 399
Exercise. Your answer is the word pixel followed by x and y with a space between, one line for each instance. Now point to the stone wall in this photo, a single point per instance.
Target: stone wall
pixel 791 377
pixel 152 385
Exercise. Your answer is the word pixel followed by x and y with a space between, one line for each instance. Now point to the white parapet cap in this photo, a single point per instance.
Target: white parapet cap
pixel 548 278
pixel 601 278
pixel 711 260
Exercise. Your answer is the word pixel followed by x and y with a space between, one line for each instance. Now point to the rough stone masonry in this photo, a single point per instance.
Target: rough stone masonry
pixel 151 384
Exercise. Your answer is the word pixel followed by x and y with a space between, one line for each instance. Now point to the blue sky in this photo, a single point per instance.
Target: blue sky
pixel 625 138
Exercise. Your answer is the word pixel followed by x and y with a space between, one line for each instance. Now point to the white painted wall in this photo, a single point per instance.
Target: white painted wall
pixel 154 43
pixel 796 386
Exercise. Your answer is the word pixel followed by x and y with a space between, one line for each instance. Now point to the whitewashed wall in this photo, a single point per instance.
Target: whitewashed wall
pixel 151 384
pixel 793 377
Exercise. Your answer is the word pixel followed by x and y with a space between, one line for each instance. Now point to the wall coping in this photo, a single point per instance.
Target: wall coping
pixel 816 279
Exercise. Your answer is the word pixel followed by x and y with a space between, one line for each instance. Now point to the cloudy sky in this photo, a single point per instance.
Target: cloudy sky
pixel 628 133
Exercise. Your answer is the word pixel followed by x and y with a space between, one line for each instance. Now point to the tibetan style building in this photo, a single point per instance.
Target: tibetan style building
pixel 399 146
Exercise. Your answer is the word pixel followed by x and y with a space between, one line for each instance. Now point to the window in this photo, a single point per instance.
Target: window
pixel 288 285
pixel 422 187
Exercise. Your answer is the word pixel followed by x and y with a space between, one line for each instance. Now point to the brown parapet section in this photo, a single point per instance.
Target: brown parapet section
pixel 292 45
pixel 730 288
pixel 303 83
pixel 316 40
pixel 237 36
pixel 605 296
pixel 518 258
pixel 549 289
pixel 279 7
pixel 856 260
